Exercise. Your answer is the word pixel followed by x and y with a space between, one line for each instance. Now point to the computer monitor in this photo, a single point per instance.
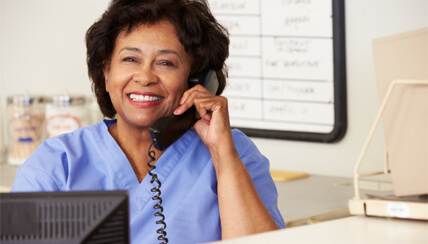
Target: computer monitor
pixel 65 217
pixel 404 56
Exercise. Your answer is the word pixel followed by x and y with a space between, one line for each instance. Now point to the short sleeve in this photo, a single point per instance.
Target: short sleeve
pixel 258 168
pixel 44 170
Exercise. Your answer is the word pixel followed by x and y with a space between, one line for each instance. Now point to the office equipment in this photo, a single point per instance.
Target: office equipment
pixel 65 217
pixel 166 131
pixel 405 119
pixel 388 206
pixel 404 110
pixel 287 67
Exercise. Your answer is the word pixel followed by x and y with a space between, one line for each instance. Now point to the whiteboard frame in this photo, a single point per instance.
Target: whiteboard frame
pixel 339 85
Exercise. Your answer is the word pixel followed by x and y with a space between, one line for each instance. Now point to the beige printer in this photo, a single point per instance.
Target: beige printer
pixel 401 63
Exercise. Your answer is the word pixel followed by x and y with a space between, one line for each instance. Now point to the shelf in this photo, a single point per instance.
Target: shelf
pixel 385 208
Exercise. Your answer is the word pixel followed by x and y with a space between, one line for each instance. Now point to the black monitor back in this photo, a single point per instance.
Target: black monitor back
pixel 65 217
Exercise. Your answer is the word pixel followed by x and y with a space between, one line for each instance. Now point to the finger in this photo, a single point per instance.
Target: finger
pixel 197 88
pixel 204 111
pixel 207 106
pixel 188 99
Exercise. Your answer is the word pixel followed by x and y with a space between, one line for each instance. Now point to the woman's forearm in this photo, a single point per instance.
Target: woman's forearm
pixel 242 211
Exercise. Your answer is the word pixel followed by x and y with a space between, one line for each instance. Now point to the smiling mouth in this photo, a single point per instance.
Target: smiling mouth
pixel 142 98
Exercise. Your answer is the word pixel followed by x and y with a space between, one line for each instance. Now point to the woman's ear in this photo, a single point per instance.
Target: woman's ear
pixel 106 72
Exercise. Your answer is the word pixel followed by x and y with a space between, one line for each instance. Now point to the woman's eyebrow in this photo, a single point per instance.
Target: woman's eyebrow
pixel 169 51
pixel 162 51
pixel 133 49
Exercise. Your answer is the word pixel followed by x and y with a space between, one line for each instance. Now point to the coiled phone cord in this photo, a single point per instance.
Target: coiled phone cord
pixel 161 231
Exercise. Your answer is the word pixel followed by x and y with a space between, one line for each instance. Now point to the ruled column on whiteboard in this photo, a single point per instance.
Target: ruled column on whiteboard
pixel 297 65
pixel 244 85
pixel 280 64
pixel 304 18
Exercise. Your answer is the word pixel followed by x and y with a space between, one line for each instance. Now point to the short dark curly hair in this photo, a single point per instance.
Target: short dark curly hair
pixel 203 38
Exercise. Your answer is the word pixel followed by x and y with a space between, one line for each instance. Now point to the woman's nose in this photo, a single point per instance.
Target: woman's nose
pixel 145 76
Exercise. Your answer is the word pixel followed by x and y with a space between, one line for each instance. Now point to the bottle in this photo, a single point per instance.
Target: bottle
pixel 65 114
pixel 25 125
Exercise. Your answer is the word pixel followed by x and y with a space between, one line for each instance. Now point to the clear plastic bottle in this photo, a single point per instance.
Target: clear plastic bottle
pixel 65 114
pixel 25 125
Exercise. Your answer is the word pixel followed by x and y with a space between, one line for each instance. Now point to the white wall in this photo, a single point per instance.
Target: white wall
pixel 43 52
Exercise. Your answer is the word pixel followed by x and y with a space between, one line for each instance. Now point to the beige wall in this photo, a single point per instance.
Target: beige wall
pixel 42 52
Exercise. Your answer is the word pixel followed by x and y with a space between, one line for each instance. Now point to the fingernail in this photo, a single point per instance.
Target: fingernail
pixel 176 110
pixel 181 100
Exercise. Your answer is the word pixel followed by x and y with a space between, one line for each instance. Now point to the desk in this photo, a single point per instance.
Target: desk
pixel 355 229
pixel 313 196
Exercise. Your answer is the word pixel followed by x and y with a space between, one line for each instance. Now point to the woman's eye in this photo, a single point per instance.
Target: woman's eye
pixel 166 63
pixel 129 59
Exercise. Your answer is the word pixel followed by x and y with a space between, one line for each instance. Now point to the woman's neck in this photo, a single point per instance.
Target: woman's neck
pixel 134 143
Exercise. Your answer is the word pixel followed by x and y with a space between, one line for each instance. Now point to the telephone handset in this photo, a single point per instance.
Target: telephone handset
pixel 167 130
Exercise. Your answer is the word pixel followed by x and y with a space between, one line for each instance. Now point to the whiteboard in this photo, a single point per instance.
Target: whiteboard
pixel 287 69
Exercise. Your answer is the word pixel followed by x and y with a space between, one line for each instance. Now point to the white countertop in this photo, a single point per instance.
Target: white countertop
pixel 355 229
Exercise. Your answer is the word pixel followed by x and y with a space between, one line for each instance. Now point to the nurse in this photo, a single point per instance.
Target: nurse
pixel 215 183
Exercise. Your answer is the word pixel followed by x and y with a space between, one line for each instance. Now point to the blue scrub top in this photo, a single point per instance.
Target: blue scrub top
pixel 90 159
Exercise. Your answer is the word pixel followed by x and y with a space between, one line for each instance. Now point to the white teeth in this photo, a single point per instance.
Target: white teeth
pixel 142 98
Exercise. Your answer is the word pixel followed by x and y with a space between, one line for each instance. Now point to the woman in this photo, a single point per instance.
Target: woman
pixel 215 183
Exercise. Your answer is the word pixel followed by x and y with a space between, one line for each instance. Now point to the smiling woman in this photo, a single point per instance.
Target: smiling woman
pixel 148 63
pixel 215 183
pixel 197 30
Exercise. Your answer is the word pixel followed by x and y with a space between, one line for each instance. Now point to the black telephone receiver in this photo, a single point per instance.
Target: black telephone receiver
pixel 167 130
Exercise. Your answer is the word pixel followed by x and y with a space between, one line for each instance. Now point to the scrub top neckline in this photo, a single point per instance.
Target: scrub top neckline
pixel 140 193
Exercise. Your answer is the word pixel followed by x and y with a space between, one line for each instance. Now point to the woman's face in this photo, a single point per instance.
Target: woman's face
pixel 147 74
